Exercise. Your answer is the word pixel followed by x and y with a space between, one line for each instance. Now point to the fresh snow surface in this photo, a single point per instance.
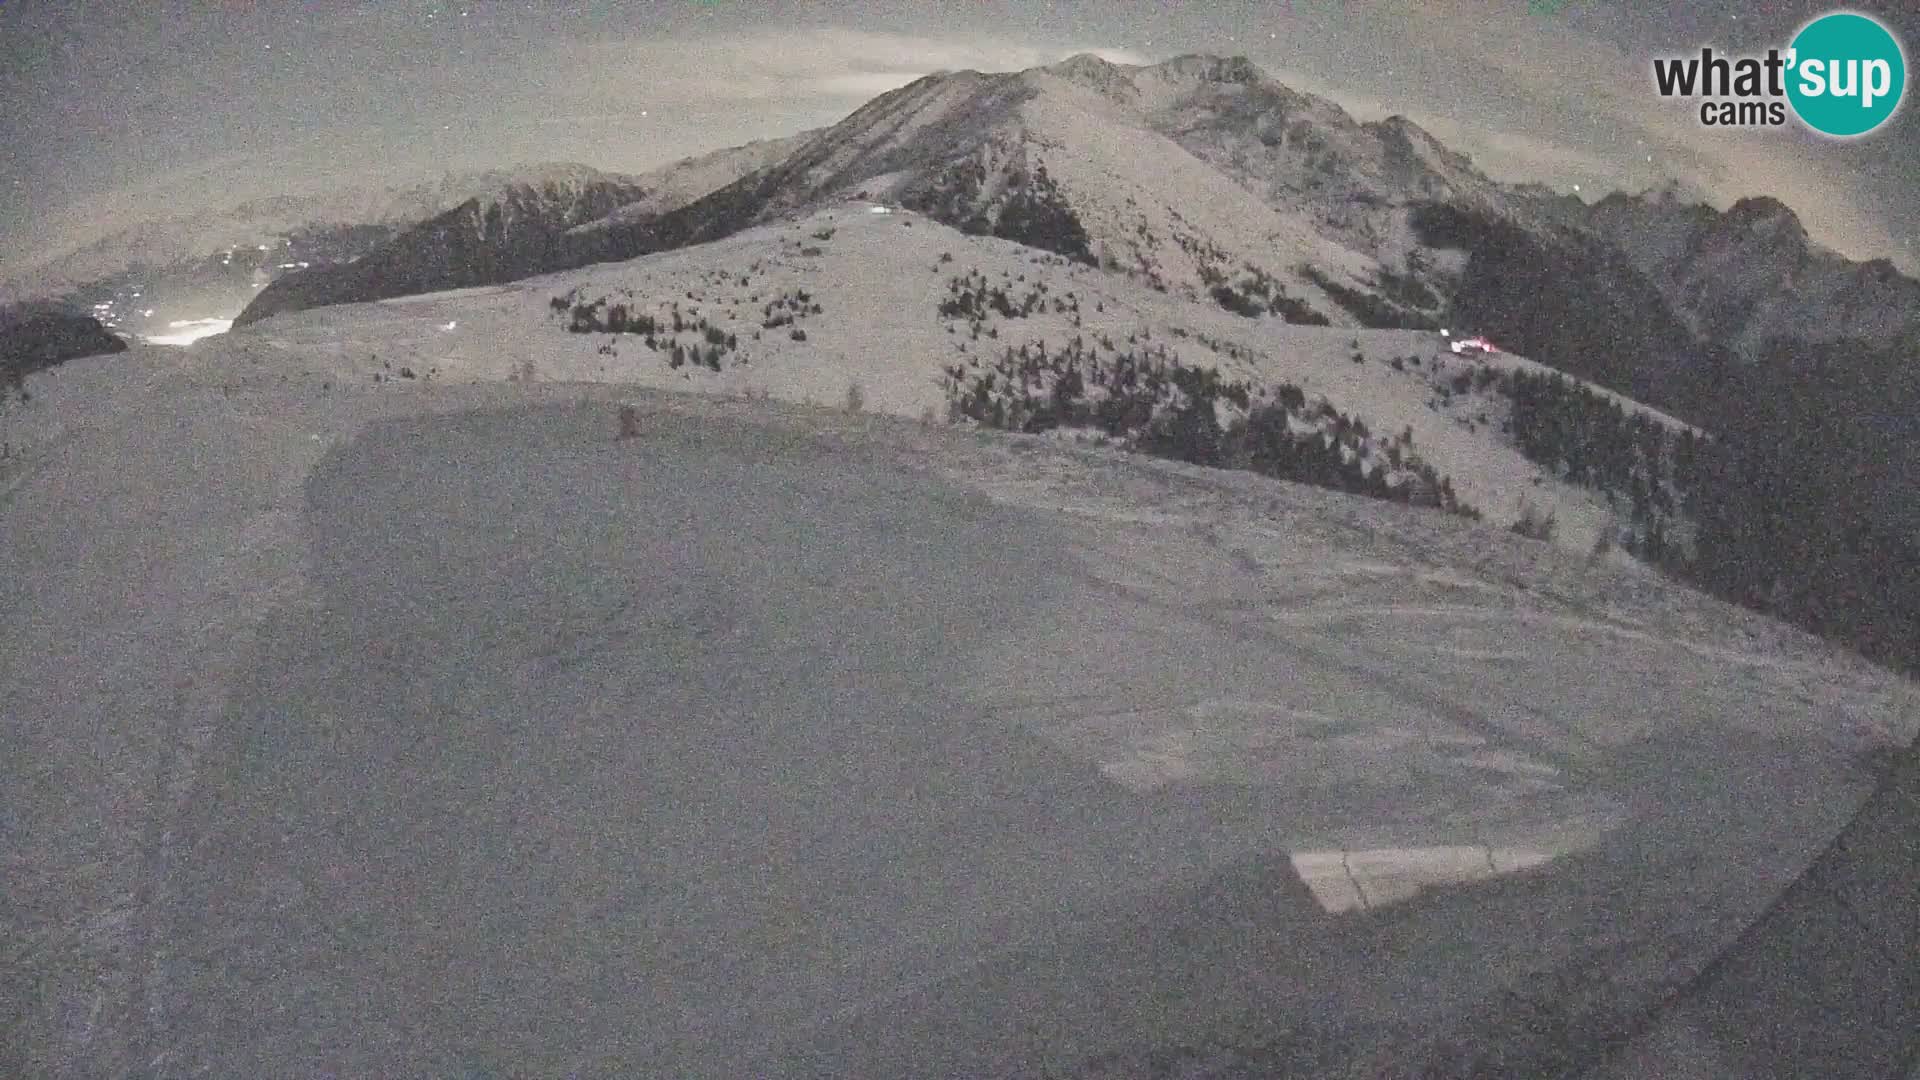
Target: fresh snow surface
pixel 879 280
pixel 294 652
pixel 1116 172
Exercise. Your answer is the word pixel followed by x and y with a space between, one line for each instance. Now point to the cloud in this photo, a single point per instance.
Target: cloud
pixel 863 85
pixel 823 65
pixel 1514 156
pixel 623 104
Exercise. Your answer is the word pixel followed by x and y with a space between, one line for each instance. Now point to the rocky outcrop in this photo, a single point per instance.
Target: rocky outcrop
pixel 1750 274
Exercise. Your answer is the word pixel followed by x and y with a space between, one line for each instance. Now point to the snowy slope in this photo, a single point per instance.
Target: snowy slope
pixel 238 577
pixel 1461 436
pixel 878 280
pixel 241 568
pixel 1292 149
pixel 679 183
pixel 1160 210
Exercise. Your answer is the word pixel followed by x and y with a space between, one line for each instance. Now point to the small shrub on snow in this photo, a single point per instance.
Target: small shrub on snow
pixel 1534 524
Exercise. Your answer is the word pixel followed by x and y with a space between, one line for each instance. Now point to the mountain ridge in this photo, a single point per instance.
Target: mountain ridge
pixel 1751 273
pixel 511 230
pixel 1205 179
pixel 269 219
pixel 960 145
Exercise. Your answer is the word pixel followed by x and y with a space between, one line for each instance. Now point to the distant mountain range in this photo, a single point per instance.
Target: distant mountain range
pixel 1211 183
pixel 1200 177
pixel 1750 274
pixel 1203 176
pixel 1196 201
pixel 1195 175
pixel 512 230
pixel 379 210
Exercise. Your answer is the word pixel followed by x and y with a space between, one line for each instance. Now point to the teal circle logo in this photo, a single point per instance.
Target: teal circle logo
pixel 1847 74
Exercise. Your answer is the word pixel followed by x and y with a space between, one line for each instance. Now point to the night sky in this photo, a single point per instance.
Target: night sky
pixel 113 111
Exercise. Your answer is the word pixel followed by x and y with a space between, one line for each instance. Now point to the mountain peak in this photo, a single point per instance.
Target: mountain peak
pixel 1085 64
pixel 1764 214
pixel 1676 193
pixel 1420 160
pixel 1205 67
pixel 1402 128
pixel 1097 74
pixel 551 175
pixel 1762 208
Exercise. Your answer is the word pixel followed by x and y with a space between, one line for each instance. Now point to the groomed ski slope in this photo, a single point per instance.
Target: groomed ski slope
pixel 428 729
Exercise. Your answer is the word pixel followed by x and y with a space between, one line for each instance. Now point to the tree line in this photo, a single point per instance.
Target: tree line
pixel 1776 513
pixel 1146 399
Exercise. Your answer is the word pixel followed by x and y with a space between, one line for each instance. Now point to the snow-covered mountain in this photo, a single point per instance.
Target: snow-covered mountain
pixel 913 317
pixel 1199 176
pixel 154 277
pixel 1750 273
pixel 384 207
pixel 676 184
pixel 1293 149
pixel 1203 177
pixel 1569 432
pixel 513 228
pixel 1204 181
pixel 1142 169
